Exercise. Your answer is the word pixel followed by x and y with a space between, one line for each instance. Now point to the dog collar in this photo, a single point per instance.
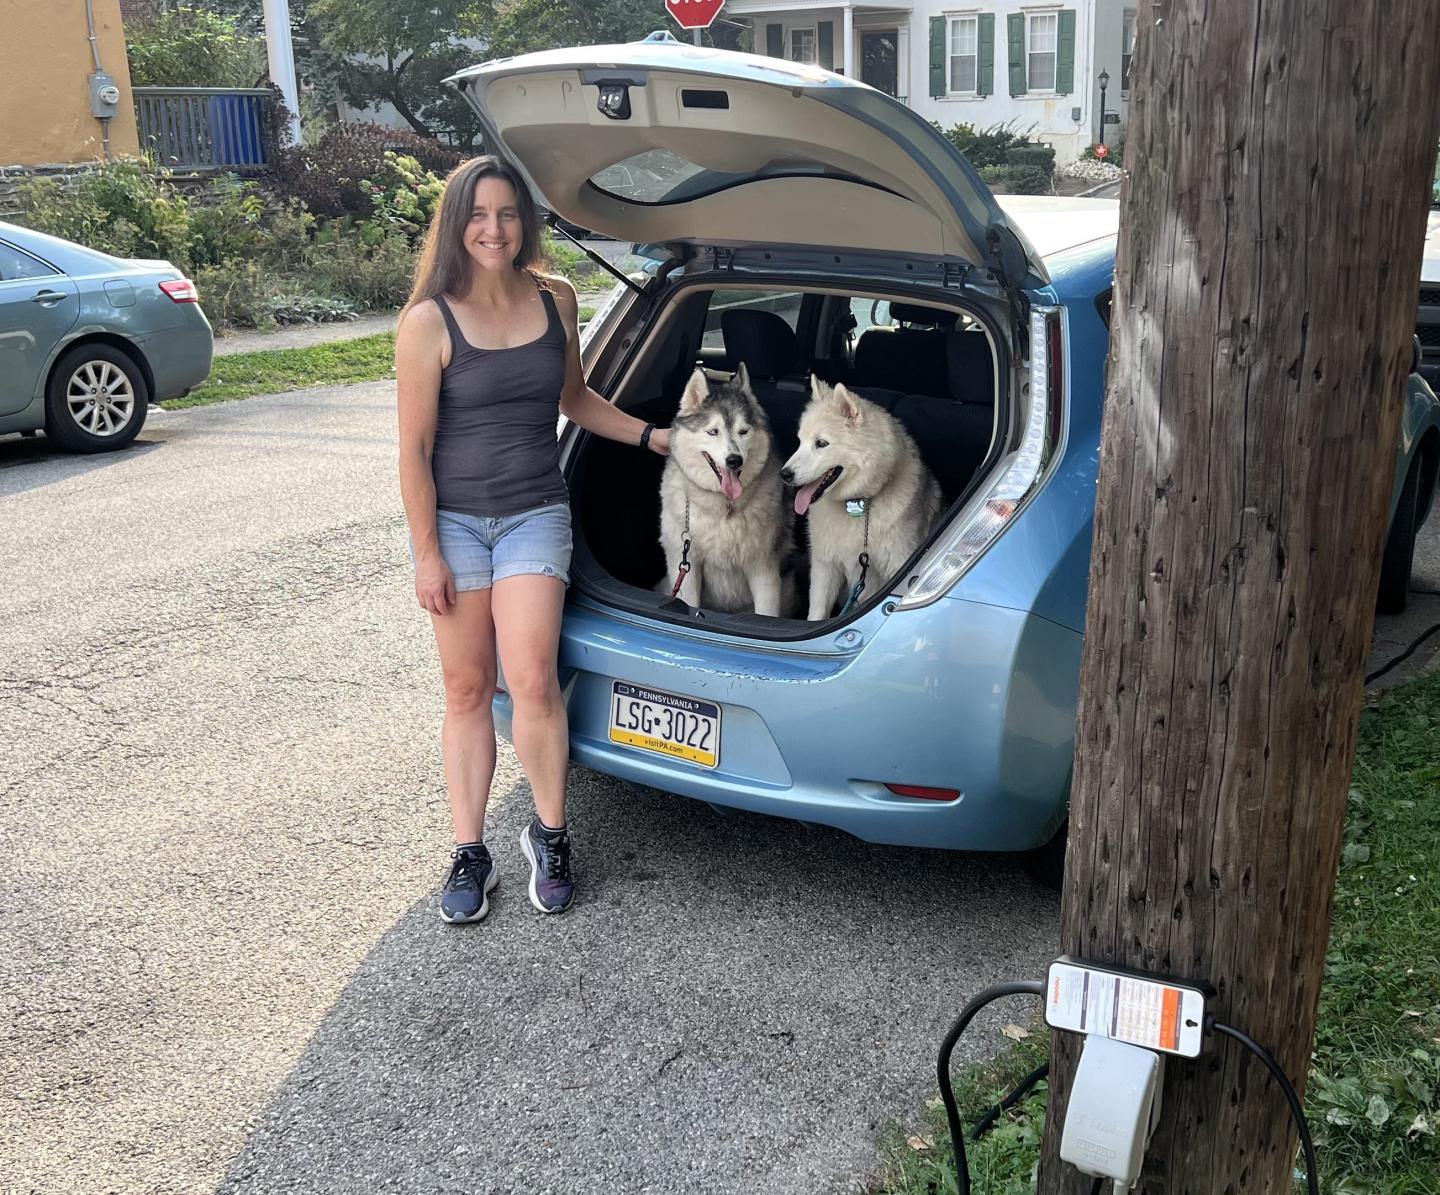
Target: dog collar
pixel 856 507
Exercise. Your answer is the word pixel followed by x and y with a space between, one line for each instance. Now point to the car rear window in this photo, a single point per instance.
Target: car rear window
pixel 660 176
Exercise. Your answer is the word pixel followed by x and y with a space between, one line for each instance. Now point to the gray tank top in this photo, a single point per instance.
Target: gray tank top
pixel 496 451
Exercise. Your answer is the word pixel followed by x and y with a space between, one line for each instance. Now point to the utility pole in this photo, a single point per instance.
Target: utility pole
pixel 280 53
pixel 1278 165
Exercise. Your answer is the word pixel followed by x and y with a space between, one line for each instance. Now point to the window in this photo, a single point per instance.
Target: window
pixel 1127 49
pixel 964 55
pixel 785 304
pixel 802 45
pixel 1040 46
pixel 15 264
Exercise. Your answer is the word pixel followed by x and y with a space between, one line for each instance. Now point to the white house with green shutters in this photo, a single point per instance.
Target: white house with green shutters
pixel 1032 64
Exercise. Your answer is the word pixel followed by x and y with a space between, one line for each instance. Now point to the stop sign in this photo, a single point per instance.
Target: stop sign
pixel 694 14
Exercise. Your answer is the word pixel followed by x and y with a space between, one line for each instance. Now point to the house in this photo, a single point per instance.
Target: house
pixel 1030 63
pixel 66 97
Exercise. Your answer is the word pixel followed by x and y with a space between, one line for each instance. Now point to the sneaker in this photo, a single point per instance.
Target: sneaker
pixel 466 896
pixel 552 887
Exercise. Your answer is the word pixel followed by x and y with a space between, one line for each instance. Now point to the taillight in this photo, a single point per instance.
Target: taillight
pixel 1018 475
pixel 1055 396
pixel 923 793
pixel 181 290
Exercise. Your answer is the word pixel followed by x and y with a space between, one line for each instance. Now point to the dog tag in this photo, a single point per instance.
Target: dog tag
pixel 854 507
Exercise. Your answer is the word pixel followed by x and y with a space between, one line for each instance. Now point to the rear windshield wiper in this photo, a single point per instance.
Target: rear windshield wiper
pixel 598 260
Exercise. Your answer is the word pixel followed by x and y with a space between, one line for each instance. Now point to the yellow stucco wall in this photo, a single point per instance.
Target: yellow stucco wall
pixel 45 65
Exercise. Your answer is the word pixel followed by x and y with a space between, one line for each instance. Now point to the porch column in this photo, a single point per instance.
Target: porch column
pixel 849 52
pixel 280 54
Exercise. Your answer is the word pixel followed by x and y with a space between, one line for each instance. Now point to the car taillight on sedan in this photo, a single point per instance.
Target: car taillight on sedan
pixel 181 290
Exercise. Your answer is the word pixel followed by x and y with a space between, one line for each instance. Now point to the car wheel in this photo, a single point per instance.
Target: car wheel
pixel 1046 864
pixel 96 399
pixel 1399 555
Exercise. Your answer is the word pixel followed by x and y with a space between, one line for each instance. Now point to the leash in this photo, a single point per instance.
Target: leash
pixel 864 558
pixel 685 553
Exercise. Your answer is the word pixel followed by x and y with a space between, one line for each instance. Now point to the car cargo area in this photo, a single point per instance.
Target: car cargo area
pixel 933 368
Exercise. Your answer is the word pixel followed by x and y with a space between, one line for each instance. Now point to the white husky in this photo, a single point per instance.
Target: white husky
pixel 722 492
pixel 861 483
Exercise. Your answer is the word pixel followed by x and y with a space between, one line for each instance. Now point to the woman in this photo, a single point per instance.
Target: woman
pixel 487 356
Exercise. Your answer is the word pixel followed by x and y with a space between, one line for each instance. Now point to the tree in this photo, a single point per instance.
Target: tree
pixel 1279 154
pixel 398 51
pixel 525 25
pixel 191 47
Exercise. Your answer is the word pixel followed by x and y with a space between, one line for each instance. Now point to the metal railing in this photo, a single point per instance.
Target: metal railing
pixel 203 128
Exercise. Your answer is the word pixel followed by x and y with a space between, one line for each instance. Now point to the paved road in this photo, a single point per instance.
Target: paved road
pixel 222 828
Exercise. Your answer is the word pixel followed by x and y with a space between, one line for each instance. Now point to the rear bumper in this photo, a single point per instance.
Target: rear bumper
pixel 958 695
pixel 179 357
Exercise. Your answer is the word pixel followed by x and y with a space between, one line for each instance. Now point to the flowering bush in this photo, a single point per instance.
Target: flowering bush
pixel 404 197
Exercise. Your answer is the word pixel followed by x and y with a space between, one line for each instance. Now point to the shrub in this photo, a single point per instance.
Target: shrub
pixel 561 257
pixel 189 47
pixel 1029 154
pixel 335 175
pixel 984 147
pixel 235 295
pixel 1114 154
pixel 117 208
pixel 405 197
pixel 229 226
pixel 297 307
pixel 1016 180
pixel 369 275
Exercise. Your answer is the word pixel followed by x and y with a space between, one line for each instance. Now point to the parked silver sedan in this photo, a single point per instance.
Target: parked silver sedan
pixel 89 341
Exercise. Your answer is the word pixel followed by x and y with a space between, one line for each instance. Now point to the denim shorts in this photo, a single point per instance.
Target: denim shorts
pixel 481 551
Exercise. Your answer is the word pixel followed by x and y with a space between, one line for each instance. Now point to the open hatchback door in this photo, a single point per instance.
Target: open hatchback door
pixel 658 142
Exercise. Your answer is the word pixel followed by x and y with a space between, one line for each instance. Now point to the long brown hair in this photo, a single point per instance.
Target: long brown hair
pixel 445 266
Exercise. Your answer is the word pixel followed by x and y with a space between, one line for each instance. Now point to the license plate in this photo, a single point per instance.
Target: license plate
pixel 665 723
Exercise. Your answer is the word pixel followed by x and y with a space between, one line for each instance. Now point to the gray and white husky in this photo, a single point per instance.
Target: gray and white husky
pixel 862 486
pixel 721 490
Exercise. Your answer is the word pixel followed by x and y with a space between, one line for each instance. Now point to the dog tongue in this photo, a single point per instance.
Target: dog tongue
pixel 730 484
pixel 805 495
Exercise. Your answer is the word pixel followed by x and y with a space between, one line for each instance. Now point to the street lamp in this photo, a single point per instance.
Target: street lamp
pixel 1104 83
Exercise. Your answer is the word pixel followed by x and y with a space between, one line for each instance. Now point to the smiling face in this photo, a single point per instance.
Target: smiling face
pixel 720 438
pixel 830 447
pixel 495 231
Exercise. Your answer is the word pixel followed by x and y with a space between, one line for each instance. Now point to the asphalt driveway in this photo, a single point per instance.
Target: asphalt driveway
pixel 221 832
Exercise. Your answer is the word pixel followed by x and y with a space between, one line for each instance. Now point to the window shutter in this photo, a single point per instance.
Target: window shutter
pixel 1015 29
pixel 985 62
pixel 825 36
pixel 1065 53
pixel 775 41
pixel 938 82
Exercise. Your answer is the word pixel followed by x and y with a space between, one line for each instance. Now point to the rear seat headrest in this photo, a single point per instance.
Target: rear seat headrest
pixel 927 317
pixel 970 367
pixel 906 359
pixel 762 340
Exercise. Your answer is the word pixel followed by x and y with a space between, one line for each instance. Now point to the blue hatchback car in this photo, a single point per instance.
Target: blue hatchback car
pixel 803 223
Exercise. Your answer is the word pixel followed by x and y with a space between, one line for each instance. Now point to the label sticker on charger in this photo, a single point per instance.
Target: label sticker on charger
pixel 1143 1012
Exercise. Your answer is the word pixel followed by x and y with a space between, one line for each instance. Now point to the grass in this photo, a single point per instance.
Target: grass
pixel 1373 1099
pixel 244 375
pixel 270 371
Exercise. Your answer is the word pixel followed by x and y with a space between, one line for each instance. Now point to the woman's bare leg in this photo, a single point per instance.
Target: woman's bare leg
pixel 466 638
pixel 527 610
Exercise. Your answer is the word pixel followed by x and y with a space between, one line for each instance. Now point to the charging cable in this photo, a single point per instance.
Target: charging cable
pixel 1020 987
pixel 1037 988
pixel 1292 1097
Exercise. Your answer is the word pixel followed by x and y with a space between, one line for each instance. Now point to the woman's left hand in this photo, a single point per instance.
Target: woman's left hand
pixel 660 441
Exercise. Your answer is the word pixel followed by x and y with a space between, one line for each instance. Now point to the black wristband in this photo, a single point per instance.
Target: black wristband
pixel 645 435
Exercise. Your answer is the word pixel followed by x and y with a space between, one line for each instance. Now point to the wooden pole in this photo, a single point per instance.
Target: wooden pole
pixel 1278 158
